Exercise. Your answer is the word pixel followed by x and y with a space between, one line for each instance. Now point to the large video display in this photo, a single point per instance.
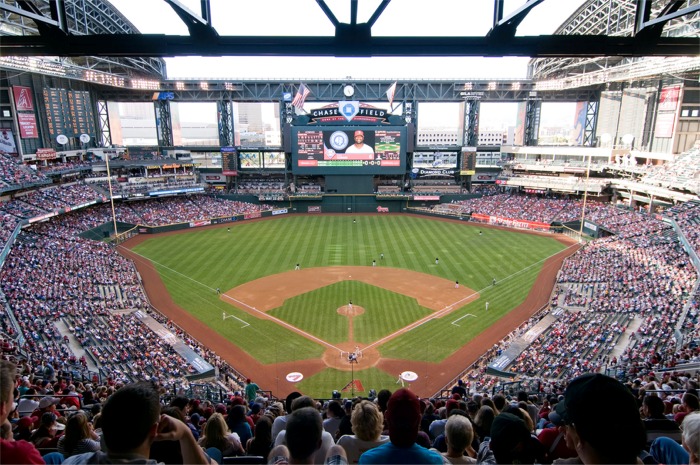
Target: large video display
pixel 349 150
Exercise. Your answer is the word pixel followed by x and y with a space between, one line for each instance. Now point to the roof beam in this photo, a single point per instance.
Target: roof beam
pixel 506 27
pixel 159 45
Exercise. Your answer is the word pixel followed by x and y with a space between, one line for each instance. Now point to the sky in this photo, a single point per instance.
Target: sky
pixel 401 17
pixel 305 18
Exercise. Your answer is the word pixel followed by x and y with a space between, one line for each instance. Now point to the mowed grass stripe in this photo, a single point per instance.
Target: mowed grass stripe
pixel 267 247
pixel 316 312
pixel 442 337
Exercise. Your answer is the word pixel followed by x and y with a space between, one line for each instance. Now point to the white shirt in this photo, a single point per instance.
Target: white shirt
pixel 320 455
pixel 355 447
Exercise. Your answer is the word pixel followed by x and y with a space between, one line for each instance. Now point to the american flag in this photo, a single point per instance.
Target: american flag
pixel 300 97
pixel 390 93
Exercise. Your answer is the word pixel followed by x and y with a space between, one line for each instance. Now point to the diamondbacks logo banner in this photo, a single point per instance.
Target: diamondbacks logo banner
pixel 23 98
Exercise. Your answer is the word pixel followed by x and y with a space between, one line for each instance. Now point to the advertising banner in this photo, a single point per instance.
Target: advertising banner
pixel 46 154
pixel 510 223
pixel 27 126
pixel 7 142
pixel 23 98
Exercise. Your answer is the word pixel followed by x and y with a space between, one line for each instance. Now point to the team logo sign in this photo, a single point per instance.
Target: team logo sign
pixel 349 108
pixel 339 140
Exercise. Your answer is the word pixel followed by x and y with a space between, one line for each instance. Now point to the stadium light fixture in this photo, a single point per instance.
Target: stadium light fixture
pixel 145 84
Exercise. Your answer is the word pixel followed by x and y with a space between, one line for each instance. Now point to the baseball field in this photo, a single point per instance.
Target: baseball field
pixel 383 286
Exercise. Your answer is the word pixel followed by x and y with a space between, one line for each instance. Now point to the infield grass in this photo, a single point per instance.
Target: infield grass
pixel 192 265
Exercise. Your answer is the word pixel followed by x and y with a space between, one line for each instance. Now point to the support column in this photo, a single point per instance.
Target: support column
pixel 164 125
pixel 470 131
pixel 104 133
pixel 589 139
pixel 224 111
pixel 532 122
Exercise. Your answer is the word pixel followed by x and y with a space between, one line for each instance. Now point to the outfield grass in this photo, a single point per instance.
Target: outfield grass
pixel 194 264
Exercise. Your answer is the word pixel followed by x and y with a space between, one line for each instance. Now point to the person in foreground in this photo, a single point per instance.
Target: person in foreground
pixel 597 437
pixel 12 452
pixel 131 422
pixel 403 418
pixel 303 440
pixel 667 451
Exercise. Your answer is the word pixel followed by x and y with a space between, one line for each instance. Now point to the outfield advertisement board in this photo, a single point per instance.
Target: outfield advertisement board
pixel 510 222
pixel 349 150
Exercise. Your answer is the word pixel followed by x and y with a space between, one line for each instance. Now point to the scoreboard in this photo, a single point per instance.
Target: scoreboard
pixel 348 150
pixel 68 112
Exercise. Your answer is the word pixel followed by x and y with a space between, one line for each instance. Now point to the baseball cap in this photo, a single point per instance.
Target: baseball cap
pixel 359 133
pixel 587 392
pixel 605 415
pixel 48 401
pixel 507 431
pixel 403 415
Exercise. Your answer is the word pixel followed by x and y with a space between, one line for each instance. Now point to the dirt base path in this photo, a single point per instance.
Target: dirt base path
pixel 434 295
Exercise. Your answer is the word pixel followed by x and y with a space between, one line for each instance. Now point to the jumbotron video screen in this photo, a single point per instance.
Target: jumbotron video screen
pixel 349 150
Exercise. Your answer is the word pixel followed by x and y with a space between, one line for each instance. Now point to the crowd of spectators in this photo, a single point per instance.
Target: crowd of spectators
pixel 649 420
pixel 58 167
pixel 53 278
pixel 13 174
pixel 681 173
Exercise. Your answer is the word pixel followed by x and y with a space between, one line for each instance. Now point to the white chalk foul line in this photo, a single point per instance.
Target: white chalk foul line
pixel 461 318
pixel 249 307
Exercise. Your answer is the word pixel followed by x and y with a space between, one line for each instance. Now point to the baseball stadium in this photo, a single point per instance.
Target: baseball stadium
pixel 488 248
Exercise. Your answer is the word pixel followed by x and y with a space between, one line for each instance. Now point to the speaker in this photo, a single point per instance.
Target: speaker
pixel 287 138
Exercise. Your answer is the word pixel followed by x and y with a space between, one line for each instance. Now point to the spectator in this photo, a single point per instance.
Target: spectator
pixel 335 413
pixel 655 422
pixel 217 435
pixel 261 442
pixel 280 421
pixel 13 451
pixel 47 434
pixel 129 437
pixel 303 438
pixel 367 425
pixel 326 439
pixel 483 421
pixel 617 437
pixel 403 418
pixel 458 437
pixel 79 437
pixel 238 423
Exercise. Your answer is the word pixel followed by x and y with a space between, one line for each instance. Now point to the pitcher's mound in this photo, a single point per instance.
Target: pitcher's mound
pixel 347 310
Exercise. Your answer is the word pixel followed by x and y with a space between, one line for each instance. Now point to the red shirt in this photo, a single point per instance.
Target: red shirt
pixel 16 452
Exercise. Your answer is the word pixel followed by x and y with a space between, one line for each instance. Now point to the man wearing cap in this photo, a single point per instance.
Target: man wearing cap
pixel 13 451
pixel 359 147
pixel 403 418
pixel 27 405
pixel 46 404
pixel 614 436
pixel 251 390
